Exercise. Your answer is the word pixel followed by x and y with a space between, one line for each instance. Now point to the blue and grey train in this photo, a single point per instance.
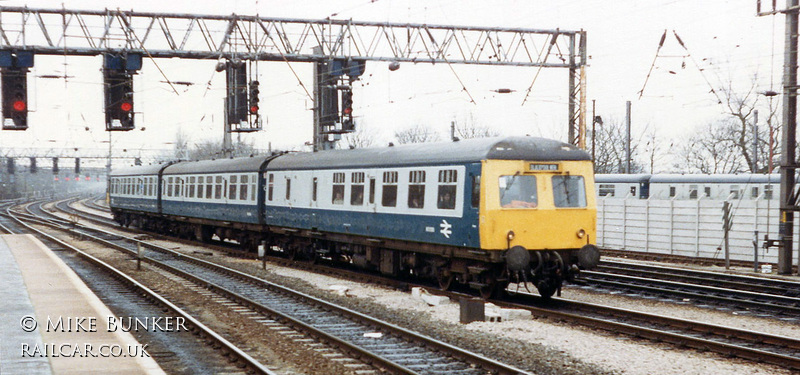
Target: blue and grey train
pixel 482 212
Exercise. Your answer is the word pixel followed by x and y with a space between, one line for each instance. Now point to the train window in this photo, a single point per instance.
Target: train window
pixel 692 191
pixel 357 189
pixel 605 190
pixel 371 190
pixel 447 197
pixel 337 193
pixel 569 191
pixel 767 191
pixel 518 191
pixel 314 189
pixel 416 189
pixel 288 188
pixel 243 188
pixel 233 187
pixel 707 191
pixel 357 195
pixel 200 187
pixel 389 193
pixel 209 187
pixel 170 184
pixel 447 189
pixel 190 193
pixel 476 191
pixel 253 182
pixel 218 188
pixel 671 191
pixel 734 192
pixel 270 186
pixel 754 192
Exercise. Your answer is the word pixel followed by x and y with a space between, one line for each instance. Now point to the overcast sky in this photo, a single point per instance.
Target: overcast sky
pixel 724 38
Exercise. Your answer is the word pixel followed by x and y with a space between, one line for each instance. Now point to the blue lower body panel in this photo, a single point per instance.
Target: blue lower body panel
pixel 453 231
pixel 134 204
pixel 240 213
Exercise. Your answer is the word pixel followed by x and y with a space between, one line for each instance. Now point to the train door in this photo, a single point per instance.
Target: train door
pixel 314 219
pixel 371 194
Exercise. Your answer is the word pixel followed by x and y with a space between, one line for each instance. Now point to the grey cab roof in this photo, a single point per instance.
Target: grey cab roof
pixel 466 151
pixel 234 165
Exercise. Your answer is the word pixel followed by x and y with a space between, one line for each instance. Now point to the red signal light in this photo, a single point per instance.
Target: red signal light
pixel 347 110
pixel 19 105
pixel 126 107
pixel 253 109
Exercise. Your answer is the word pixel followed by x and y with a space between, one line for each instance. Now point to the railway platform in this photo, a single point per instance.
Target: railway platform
pixel 52 323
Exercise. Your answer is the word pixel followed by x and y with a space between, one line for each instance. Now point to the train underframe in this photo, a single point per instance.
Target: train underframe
pixel 487 271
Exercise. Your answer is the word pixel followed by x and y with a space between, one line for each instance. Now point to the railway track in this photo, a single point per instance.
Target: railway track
pixel 746 294
pixel 760 347
pixel 384 346
pixel 763 296
pixel 779 287
pixel 200 349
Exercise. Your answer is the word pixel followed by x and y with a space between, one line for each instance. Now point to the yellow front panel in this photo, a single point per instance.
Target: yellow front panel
pixel 542 227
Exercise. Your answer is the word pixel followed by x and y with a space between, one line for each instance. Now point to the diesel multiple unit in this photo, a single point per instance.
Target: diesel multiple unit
pixel 483 212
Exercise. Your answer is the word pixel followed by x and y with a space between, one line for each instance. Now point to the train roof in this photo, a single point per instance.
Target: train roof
pixel 233 165
pixel 601 178
pixel 465 151
pixel 140 170
pixel 715 178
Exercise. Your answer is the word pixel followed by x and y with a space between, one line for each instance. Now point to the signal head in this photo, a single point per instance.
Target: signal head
pixel 19 105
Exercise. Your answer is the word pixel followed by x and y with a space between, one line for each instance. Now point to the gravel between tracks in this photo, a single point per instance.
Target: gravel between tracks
pixel 539 345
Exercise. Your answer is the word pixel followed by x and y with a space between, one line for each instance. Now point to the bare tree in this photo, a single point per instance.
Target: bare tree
pixel 740 105
pixel 363 137
pixel 653 149
pixel 712 149
pixel 416 134
pixel 470 128
pixel 610 149
pixel 726 146
pixel 181 144
pixel 213 150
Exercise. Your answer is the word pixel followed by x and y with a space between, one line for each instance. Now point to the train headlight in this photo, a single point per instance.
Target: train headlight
pixel 510 235
pixel 581 233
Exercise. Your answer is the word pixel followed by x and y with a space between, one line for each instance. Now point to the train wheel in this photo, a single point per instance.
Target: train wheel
pixel 445 280
pixel 310 254
pixel 491 288
pixel 291 251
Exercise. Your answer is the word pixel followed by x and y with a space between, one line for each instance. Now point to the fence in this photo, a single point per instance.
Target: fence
pixel 687 227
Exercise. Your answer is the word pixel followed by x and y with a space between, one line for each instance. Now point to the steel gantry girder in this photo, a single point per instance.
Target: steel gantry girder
pixel 169 35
